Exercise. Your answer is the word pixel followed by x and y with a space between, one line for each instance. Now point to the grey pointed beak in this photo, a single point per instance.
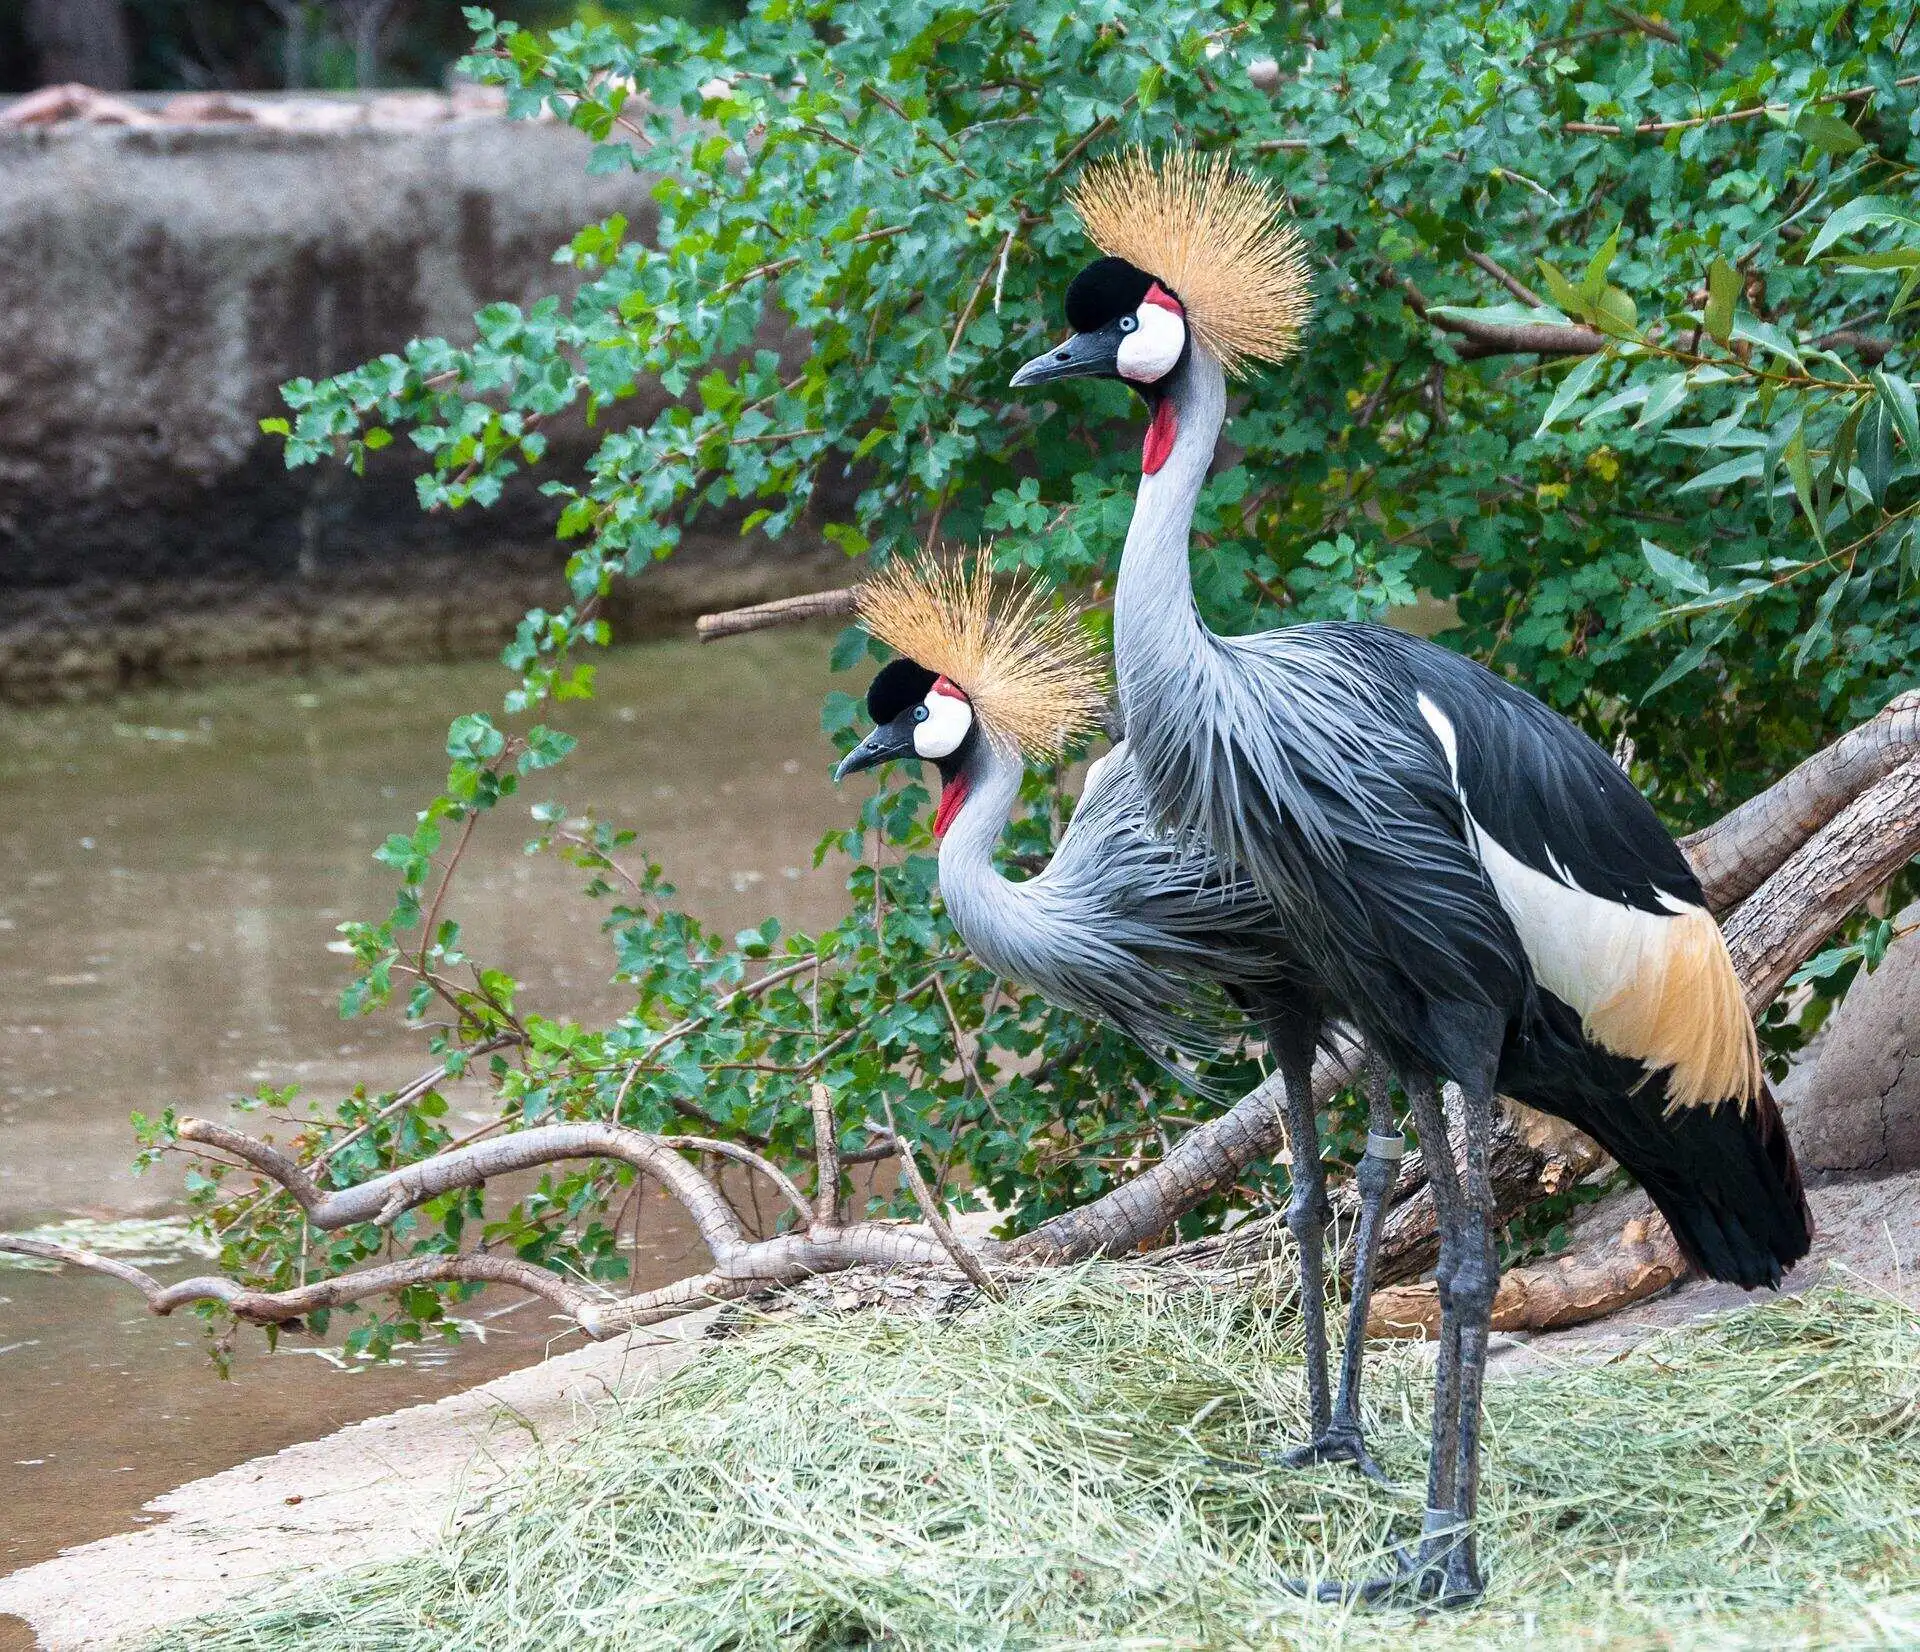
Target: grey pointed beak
pixel 1078 356
pixel 885 744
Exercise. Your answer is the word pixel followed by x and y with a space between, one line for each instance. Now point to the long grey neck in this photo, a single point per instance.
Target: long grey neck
pixel 981 902
pixel 1155 627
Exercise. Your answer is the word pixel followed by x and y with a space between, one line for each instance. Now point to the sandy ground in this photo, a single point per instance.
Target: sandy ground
pixel 388 1486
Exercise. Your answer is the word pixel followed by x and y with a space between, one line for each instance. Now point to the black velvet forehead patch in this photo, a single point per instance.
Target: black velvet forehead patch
pixel 1105 290
pixel 901 684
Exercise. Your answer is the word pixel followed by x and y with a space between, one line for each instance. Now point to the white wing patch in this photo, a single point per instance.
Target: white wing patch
pixel 1658 987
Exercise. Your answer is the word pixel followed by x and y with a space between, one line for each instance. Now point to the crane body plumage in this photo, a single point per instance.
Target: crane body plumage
pixel 1126 924
pixel 1471 881
pixel 1437 839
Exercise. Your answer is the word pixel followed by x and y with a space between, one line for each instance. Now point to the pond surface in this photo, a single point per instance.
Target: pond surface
pixel 172 867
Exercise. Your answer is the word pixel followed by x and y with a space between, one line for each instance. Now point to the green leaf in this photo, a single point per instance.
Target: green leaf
pixel 1614 313
pixel 1742 468
pixel 1817 637
pixel 1795 458
pixel 1862 212
pixel 1752 330
pixel 1562 291
pixel 275 427
pixel 1663 397
pixel 1894 258
pixel 1502 315
pixel 474 736
pixel 1570 390
pixel 1594 282
pixel 1723 291
pixel 1675 570
pixel 1828 133
pixel 1689 660
pixel 1875 452
pixel 1896 396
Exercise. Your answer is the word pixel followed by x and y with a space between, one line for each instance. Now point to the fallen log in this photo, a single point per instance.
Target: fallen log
pixel 1549 1296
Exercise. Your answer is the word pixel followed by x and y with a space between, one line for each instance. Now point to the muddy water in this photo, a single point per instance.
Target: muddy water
pixel 171 870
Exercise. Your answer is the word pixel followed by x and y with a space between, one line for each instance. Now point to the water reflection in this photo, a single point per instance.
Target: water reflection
pixel 171 869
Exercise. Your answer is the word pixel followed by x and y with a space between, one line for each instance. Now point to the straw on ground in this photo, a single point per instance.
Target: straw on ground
pixel 1081 1466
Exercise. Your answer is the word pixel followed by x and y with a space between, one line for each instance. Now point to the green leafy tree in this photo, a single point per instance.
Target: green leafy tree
pixel 1608 376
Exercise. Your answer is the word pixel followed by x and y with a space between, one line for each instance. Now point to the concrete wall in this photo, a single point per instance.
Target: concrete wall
pixel 159 281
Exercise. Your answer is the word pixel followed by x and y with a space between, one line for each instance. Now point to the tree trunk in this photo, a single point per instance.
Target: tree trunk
pixel 80 40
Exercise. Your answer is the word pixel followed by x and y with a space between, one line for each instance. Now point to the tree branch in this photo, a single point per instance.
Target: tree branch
pixel 1779 926
pixel 1746 846
pixel 930 1211
pixel 1512 283
pixel 1546 1296
pixel 1605 129
pixel 386 1198
pixel 763 616
pixel 1504 338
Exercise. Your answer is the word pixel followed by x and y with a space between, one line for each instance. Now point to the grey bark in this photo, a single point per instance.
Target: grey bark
pixel 1853 1107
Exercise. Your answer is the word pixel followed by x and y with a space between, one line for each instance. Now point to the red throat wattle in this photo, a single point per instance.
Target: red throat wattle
pixel 1155 450
pixel 952 795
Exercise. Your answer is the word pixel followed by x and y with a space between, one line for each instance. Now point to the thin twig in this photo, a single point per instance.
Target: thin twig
pixel 1512 283
pixel 962 1257
pixel 826 1156
pixel 1605 129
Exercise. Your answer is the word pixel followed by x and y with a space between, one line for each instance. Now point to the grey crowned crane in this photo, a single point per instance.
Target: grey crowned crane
pixel 1127 924
pixel 1123 926
pixel 1472 882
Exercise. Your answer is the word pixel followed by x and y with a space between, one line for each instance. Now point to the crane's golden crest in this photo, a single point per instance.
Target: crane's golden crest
pixel 1215 237
pixel 1025 662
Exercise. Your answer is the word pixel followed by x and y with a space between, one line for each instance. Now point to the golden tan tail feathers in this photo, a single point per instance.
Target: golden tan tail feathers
pixel 1680 1007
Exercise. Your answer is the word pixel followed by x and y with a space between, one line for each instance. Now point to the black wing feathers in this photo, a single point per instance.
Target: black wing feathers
pixel 1551 797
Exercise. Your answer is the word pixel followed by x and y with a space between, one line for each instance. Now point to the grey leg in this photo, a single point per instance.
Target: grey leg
pixel 1345 1439
pixel 1426 1574
pixel 1449 1207
pixel 1475 1283
pixel 1307 1216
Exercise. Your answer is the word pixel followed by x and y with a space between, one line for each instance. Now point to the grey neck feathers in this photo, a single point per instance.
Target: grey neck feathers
pixel 1155 628
pixel 985 906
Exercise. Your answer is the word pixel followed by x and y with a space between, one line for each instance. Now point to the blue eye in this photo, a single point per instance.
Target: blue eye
pixel 1128 323
pixel 920 714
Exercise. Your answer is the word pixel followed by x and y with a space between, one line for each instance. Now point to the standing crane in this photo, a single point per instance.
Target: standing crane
pixel 1126 924
pixel 1473 882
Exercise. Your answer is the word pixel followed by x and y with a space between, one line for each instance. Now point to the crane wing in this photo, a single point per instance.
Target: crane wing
pixel 1611 916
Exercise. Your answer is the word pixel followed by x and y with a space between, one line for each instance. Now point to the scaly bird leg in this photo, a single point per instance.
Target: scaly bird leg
pixel 1344 1440
pixel 1476 1282
pixel 1307 1217
pixel 1422 1574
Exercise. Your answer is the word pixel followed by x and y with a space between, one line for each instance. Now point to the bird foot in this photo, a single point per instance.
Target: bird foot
pixel 1441 1572
pixel 1342 1443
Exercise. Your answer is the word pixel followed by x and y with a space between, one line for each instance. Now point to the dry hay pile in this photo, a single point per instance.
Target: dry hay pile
pixel 1080 1466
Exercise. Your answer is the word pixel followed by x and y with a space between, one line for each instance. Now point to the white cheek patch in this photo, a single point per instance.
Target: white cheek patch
pixel 946 726
pixel 1151 350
